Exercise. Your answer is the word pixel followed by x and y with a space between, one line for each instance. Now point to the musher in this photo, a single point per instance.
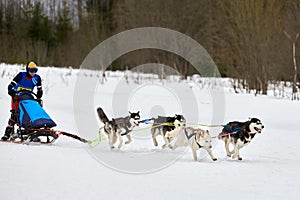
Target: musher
pixel 24 81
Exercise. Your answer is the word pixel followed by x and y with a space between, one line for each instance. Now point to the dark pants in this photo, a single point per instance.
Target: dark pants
pixel 13 117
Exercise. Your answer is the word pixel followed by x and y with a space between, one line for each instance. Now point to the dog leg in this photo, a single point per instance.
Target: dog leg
pixel 110 143
pixel 211 154
pixel 153 132
pixel 236 152
pixel 173 145
pixel 194 154
pixel 167 144
pixel 120 140
pixel 112 140
pixel 129 139
pixel 227 142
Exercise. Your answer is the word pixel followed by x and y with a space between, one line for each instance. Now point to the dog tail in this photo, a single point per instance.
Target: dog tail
pixel 102 116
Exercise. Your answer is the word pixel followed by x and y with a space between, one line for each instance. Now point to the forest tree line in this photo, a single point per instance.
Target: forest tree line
pixel 250 40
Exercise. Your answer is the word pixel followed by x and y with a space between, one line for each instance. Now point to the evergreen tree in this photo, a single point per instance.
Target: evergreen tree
pixel 1 18
pixel 100 12
pixel 9 18
pixel 63 26
pixel 39 28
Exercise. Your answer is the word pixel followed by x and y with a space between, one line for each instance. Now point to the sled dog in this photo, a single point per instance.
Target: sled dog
pixel 161 125
pixel 194 138
pixel 118 127
pixel 239 134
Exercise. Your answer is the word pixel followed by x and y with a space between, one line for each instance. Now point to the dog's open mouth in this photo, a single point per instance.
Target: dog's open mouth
pixel 258 129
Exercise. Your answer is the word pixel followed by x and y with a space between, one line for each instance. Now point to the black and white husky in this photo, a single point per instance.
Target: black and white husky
pixel 161 125
pixel 118 127
pixel 194 138
pixel 239 134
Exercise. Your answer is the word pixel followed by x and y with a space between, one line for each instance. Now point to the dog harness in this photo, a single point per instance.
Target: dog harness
pixel 189 136
pixel 230 130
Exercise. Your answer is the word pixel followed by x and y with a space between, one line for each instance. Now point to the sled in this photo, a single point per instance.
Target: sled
pixel 33 123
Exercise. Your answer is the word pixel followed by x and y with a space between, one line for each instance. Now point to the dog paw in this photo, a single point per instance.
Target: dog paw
pixel 164 146
pixel 240 158
pixel 214 159
pixel 127 142
pixel 119 146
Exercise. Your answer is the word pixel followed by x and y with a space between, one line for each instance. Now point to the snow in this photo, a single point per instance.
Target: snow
pixel 69 169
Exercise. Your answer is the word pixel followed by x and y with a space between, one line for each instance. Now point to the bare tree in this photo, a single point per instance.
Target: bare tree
pixel 252 31
pixel 295 95
pixel 292 30
pixel 187 17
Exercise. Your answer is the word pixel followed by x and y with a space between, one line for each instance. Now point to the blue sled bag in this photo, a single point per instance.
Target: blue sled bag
pixel 32 115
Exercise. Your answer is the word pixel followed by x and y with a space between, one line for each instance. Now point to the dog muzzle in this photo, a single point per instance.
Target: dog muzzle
pixel 258 129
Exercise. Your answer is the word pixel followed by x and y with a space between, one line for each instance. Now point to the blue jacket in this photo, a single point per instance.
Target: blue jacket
pixel 24 81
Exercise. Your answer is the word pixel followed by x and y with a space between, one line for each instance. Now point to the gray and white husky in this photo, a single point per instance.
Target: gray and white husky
pixel 194 138
pixel 118 127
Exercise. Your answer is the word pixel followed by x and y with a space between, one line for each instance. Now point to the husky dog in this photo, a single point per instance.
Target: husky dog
pixel 239 134
pixel 195 138
pixel 161 125
pixel 118 127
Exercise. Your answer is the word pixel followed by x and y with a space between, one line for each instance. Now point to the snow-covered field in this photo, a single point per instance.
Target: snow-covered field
pixel 69 169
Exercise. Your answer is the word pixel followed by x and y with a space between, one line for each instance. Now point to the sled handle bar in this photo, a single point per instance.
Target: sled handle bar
pixel 27 91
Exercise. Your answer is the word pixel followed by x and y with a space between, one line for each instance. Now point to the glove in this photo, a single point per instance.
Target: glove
pixel 12 92
pixel 39 94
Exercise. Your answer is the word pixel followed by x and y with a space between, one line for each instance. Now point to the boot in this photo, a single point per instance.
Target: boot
pixel 8 132
pixel 5 137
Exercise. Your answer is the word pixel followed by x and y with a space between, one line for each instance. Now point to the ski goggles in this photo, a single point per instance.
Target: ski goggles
pixel 32 70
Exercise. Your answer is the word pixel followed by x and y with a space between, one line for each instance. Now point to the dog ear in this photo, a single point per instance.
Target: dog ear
pixel 138 112
pixel 199 133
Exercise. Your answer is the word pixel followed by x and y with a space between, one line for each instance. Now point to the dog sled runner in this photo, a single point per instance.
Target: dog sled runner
pixel 33 124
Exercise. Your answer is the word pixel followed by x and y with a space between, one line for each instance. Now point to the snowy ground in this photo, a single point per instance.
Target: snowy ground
pixel 69 169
